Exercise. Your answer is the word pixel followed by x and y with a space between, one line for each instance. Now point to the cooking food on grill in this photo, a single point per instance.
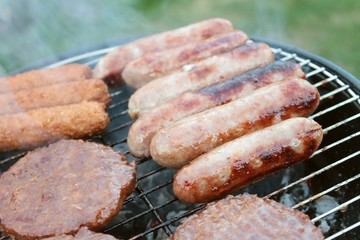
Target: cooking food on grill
pixel 201 74
pixel 83 234
pixel 54 95
pixel 111 66
pixel 188 138
pixel 44 77
pixel 247 217
pixel 44 125
pixel 190 103
pixel 156 64
pixel 57 189
pixel 237 163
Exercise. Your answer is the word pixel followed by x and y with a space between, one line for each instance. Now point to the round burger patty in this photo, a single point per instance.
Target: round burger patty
pixel 57 189
pixel 247 217
pixel 83 234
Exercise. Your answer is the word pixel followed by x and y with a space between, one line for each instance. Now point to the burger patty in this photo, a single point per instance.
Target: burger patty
pixel 57 189
pixel 247 217
pixel 83 234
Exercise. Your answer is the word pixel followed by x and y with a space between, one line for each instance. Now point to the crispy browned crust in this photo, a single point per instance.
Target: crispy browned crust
pixel 190 103
pixel 44 77
pixel 247 217
pixel 54 95
pixel 83 234
pixel 111 66
pixel 201 74
pixel 156 64
pixel 244 160
pixel 45 125
pixel 188 138
pixel 58 189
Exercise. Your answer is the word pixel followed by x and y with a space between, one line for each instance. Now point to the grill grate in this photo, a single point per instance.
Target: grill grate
pixel 327 187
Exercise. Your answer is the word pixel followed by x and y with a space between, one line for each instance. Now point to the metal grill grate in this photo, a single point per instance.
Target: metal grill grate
pixel 327 187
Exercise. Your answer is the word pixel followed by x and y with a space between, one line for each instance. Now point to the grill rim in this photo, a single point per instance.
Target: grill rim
pixel 329 65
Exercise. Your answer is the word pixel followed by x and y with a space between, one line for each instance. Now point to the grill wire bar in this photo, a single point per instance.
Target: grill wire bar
pixel 329 85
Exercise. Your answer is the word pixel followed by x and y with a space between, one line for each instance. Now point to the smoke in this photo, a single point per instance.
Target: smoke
pixel 33 31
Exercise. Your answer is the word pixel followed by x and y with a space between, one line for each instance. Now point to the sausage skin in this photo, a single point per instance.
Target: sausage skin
pixel 45 125
pixel 111 66
pixel 54 95
pixel 44 77
pixel 190 103
pixel 201 74
pixel 238 163
pixel 188 138
pixel 156 64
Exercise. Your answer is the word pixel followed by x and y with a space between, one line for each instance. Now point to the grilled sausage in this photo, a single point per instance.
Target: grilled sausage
pixel 201 74
pixel 44 77
pixel 54 95
pixel 111 66
pixel 44 125
pixel 81 184
pixel 156 64
pixel 247 217
pixel 186 139
pixel 190 103
pixel 238 163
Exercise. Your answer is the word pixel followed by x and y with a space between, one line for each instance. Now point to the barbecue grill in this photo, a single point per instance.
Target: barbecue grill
pixel 326 187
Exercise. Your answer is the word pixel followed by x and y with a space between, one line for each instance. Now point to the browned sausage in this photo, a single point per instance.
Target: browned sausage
pixel 238 163
pixel 156 64
pixel 44 125
pixel 201 74
pixel 188 138
pixel 111 66
pixel 44 77
pixel 54 95
pixel 190 103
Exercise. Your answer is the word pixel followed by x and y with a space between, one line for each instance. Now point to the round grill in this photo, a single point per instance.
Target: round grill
pixel 326 187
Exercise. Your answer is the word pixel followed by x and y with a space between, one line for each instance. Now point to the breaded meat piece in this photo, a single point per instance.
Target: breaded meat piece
pixel 247 217
pixel 54 95
pixel 60 188
pixel 44 125
pixel 44 77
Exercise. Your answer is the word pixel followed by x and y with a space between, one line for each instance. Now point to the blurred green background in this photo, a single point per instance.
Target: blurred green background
pixel 31 31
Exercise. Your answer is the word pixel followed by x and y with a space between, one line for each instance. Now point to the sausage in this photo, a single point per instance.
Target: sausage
pixel 156 64
pixel 44 125
pixel 111 66
pixel 190 103
pixel 44 77
pixel 54 95
pixel 247 217
pixel 201 74
pixel 238 163
pixel 188 138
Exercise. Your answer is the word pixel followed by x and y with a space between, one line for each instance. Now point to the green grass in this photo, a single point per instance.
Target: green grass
pixel 31 31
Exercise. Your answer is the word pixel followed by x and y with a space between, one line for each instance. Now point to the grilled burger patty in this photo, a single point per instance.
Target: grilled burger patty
pixel 247 217
pixel 57 189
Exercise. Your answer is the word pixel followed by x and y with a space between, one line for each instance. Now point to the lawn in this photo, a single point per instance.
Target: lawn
pixel 31 31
